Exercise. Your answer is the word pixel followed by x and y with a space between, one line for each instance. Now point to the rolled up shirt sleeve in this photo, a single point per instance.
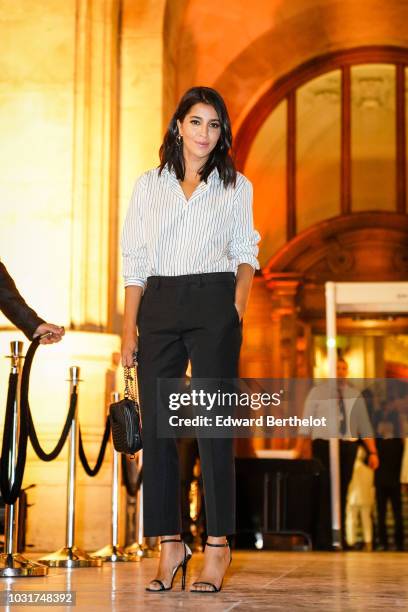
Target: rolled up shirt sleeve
pixel 243 246
pixel 134 250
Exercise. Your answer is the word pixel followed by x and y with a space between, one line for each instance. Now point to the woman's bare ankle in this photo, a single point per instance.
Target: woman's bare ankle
pixel 169 549
pixel 217 539
pixel 176 536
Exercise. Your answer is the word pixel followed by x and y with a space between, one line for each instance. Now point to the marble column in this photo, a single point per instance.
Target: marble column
pixel 284 289
pixel 94 251
pixel 284 328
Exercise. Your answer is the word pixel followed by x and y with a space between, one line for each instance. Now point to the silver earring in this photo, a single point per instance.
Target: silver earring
pixel 179 140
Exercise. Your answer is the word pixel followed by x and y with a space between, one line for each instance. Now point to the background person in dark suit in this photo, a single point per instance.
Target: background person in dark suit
pixel 387 478
pixel 21 315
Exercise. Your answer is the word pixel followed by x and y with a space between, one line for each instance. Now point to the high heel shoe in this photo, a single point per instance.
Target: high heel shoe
pixel 213 589
pixel 187 556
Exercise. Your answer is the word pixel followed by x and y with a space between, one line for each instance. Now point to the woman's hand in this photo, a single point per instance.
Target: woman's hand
pixel 244 278
pixel 240 311
pixel 129 347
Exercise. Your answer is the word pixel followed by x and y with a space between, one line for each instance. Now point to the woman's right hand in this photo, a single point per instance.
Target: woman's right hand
pixel 129 347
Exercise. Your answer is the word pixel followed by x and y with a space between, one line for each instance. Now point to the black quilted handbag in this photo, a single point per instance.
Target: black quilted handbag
pixel 125 417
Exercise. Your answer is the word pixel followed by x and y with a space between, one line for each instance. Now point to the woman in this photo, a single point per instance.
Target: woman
pixel 189 252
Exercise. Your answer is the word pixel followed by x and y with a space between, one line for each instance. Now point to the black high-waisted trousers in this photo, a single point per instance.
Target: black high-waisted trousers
pixel 181 318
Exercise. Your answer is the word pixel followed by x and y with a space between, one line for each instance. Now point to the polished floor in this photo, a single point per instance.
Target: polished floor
pixel 351 581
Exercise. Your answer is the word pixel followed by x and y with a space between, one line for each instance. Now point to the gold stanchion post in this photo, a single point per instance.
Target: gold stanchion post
pixel 70 555
pixel 113 552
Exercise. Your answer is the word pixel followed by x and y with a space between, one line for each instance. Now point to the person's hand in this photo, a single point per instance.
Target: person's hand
pixel 373 461
pixel 129 347
pixel 55 333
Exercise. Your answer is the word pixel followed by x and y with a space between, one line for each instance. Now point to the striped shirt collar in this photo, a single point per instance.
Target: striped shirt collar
pixel 213 176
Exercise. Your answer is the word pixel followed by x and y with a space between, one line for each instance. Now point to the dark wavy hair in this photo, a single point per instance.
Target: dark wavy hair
pixel 171 153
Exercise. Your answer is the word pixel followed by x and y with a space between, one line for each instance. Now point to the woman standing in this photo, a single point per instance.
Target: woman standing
pixel 189 253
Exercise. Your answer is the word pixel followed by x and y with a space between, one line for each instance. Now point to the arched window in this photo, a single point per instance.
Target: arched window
pixel 329 139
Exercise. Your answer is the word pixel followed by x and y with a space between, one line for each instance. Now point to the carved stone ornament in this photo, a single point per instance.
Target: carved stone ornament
pixel 339 259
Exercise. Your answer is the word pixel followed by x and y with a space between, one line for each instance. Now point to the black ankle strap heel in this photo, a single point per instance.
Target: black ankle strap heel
pixel 183 565
pixel 214 588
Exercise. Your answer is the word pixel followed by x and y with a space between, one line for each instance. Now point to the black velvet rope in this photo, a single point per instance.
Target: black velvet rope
pixel 131 489
pixel 10 493
pixel 40 452
pixel 94 471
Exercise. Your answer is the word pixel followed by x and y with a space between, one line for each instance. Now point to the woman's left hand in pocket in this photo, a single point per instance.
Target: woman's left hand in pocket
pixel 240 311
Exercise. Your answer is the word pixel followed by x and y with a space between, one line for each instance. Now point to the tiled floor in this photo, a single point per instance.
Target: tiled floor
pixel 256 581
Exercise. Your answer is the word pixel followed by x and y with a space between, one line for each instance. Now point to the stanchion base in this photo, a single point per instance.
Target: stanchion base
pixel 14 565
pixel 134 550
pixel 141 550
pixel 70 557
pixel 113 554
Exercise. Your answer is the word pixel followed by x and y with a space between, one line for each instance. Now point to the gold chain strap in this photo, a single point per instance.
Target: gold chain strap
pixel 131 383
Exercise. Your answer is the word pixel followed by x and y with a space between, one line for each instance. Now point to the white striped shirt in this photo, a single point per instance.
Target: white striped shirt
pixel 167 235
